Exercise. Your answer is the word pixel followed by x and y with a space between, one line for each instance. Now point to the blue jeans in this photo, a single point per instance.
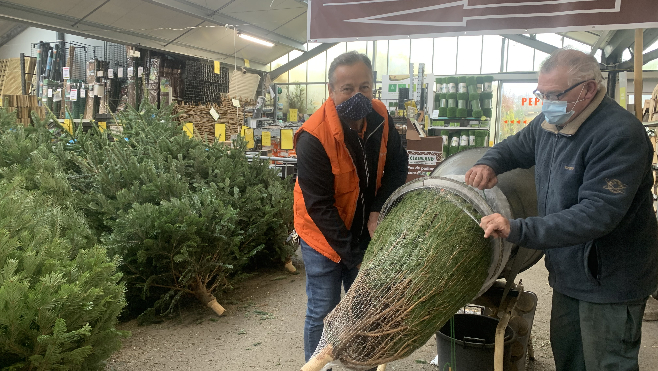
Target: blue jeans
pixel 595 337
pixel 323 282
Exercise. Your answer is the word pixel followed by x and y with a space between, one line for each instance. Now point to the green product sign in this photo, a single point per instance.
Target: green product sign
pixel 392 88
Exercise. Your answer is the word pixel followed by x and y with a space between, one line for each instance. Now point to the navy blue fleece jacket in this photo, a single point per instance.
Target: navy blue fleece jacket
pixel 596 223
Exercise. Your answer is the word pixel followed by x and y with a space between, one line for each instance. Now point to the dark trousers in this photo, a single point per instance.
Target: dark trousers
pixel 595 337
pixel 324 279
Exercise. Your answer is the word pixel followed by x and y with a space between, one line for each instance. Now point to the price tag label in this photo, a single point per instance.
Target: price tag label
pixel 66 73
pixel 120 72
pixel 217 66
pixel 140 71
pixel 236 103
pixel 266 139
pixel 110 73
pixel 214 114
pixel 74 95
pixel 131 72
pixel 100 73
pixel 83 93
pixel 57 95
pixel 50 93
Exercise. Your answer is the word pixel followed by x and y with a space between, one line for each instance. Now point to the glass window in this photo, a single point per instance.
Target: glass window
pixel 369 50
pixel 519 57
pixel 651 66
pixel 295 98
pixel 334 52
pixel 540 56
pixel 315 96
pixel 422 51
pixel 445 56
pixel 278 63
pixel 573 44
pixel 358 46
pixel 317 68
pixel 398 57
pixel 311 46
pixel 381 62
pixel 491 45
pixel 550 38
pixel 469 54
pixel 297 74
pixel 518 108
pixel 626 55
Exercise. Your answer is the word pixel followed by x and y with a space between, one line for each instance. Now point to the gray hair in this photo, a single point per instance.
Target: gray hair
pixel 348 59
pixel 580 66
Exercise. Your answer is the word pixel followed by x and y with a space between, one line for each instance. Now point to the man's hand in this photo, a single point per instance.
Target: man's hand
pixel 495 225
pixel 481 177
pixel 372 223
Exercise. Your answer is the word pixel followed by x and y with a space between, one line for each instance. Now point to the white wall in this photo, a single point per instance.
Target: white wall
pixel 23 42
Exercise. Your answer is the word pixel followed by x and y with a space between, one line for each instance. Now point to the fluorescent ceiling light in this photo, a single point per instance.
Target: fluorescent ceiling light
pixel 256 40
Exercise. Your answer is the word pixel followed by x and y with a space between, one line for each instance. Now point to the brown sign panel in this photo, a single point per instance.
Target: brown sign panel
pixel 339 20
pixel 425 154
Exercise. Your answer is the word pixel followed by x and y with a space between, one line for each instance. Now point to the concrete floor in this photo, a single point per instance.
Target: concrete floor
pixel 262 329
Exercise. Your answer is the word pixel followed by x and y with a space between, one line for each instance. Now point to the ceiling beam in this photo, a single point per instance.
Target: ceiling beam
pixel 649 37
pixel 620 41
pixel 533 43
pixel 13 32
pixel 215 17
pixel 602 40
pixel 301 59
pixel 584 37
pixel 62 23
pixel 646 58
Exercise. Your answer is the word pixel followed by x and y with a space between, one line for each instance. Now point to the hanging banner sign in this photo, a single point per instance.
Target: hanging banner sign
pixel 343 20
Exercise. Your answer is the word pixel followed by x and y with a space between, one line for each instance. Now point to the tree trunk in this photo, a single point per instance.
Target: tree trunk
pixel 208 299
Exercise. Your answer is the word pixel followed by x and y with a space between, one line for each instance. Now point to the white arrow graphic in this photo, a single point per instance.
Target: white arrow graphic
pixel 464 4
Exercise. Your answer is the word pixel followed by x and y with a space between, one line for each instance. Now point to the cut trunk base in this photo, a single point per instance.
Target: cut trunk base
pixel 316 363
pixel 214 305
pixel 290 268
pixel 207 298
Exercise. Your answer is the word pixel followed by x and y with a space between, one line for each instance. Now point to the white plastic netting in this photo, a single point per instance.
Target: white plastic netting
pixel 427 259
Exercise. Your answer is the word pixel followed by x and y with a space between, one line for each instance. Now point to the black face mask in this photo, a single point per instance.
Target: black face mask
pixel 355 108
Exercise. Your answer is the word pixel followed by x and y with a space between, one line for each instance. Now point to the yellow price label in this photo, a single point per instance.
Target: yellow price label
pixel 286 138
pixel 246 63
pixel 292 115
pixel 220 132
pixel 189 129
pixel 266 139
pixel 102 126
pixel 217 66
pixel 68 125
pixel 249 137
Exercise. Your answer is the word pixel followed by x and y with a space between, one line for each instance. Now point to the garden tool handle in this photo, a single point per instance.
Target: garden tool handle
pixel 320 360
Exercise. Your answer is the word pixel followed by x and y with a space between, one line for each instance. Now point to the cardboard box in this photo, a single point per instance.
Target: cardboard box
pixel 425 153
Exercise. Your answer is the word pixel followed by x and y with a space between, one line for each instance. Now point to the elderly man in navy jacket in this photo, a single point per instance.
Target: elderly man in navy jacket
pixel 596 223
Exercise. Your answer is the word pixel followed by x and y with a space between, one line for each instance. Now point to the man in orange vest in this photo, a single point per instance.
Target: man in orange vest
pixel 349 159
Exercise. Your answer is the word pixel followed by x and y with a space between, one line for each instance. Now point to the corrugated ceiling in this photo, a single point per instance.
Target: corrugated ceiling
pixel 191 27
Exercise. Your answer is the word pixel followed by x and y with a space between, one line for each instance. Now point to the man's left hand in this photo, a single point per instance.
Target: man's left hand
pixel 495 225
pixel 372 223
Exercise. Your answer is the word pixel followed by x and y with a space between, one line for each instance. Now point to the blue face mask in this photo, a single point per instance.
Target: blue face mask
pixel 355 108
pixel 555 112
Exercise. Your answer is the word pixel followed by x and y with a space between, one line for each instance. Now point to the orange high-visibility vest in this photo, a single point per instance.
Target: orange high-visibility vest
pixel 325 125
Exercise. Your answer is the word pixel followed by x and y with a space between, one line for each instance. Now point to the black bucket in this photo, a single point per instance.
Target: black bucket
pixel 474 343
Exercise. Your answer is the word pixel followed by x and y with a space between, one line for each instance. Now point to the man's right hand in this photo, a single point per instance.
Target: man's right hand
pixel 481 177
